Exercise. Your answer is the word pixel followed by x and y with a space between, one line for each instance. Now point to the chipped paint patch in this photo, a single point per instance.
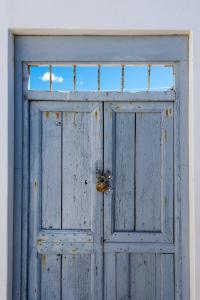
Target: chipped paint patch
pixel 35 185
pixel 74 250
pixel 43 262
pixel 168 112
pixel 39 242
pixel 46 114
pixel 58 115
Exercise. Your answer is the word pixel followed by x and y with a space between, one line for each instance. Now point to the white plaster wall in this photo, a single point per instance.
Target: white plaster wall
pixel 95 17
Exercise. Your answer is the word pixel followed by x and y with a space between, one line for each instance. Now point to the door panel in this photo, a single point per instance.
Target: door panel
pixel 65 241
pixel 124 171
pixel 138 211
pixel 138 150
pixel 139 276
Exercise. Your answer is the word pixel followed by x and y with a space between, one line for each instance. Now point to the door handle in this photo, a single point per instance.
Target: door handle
pixel 103 181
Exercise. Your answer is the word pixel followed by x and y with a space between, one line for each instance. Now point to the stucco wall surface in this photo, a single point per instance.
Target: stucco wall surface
pixel 95 17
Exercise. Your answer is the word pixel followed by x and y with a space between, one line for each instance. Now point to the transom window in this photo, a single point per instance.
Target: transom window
pixel 101 78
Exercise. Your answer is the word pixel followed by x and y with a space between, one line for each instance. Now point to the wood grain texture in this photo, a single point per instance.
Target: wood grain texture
pixel 140 276
pixel 102 97
pixel 76 277
pixel 148 172
pixel 51 169
pixel 124 156
pixel 35 202
pixel 77 169
pixel 50 277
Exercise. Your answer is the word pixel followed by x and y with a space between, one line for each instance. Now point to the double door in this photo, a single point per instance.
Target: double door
pixel 87 244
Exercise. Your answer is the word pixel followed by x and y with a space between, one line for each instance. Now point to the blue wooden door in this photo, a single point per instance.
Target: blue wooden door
pixel 138 211
pixel 66 228
pixel 65 216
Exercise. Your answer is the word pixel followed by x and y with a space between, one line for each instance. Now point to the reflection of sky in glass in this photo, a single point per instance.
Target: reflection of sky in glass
pixel 37 79
pixel 110 78
pixel 135 78
pixel 161 78
pixel 86 78
pixel 62 78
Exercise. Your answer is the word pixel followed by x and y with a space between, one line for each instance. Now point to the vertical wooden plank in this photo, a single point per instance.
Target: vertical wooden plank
pixel 158 276
pixel 51 169
pixel 110 292
pixel 123 276
pixel 181 186
pixel 35 198
pixel 77 170
pixel 167 182
pixel 51 126
pixel 109 154
pixel 167 264
pixel 97 202
pixel 124 160
pixel 25 197
pixel 143 283
pixel 148 171
pixel 50 277
pixel 76 277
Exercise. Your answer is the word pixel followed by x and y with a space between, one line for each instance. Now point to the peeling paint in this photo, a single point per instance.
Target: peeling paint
pixel 46 114
pixel 39 242
pixel 58 115
pixel 43 262
pixel 74 250
pixel 168 112
pixel 35 185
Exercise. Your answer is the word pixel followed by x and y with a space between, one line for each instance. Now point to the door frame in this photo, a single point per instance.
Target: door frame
pixel 149 49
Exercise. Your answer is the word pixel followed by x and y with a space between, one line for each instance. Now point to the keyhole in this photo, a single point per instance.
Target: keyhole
pixel 85 181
